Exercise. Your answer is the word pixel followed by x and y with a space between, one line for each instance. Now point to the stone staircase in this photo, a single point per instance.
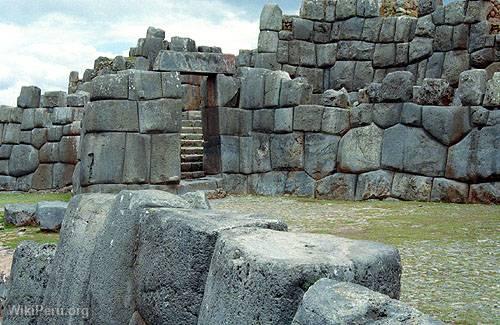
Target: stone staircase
pixel 192 145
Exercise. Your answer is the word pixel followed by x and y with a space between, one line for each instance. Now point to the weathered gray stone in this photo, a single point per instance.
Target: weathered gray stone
pixel 195 62
pixel 171 85
pixel 68 149
pixel 155 32
pixel 235 183
pixel 271 17
pixel 454 12
pixel 334 98
pixel 191 237
pixel 20 215
pixel 308 118
pixel 62 175
pixel 472 86
pixel 388 30
pixel 443 38
pixel 287 151
pixel 267 61
pixel 433 92
pixel 302 29
pixel 479 116
pixel 374 185
pixel 143 85
pixel 29 97
pixel 137 159
pixel 455 62
pixel 412 150
pixel 420 48
pixel 11 133
pixel 268 42
pixel 38 137
pixel 397 86
pixel 411 114
pixel 273 86
pixel 341 75
pixel 54 99
pixel 313 76
pixel 31 268
pixel 283 120
pixel 425 27
pixel 476 156
pixel 277 264
pixel 182 44
pixel 111 115
pixel 329 302
pixel 326 55
pixel 302 53
pixel 50 215
pixel 165 158
pixel 345 9
pixel 411 187
pixel 483 58
pixel 295 92
pixel 447 124
pixel 492 95
pixel 227 91
pixel 41 118
pixel 78 99
pixel 230 154
pixel 338 186
pixel 102 158
pixel 261 155
pixel 320 154
pixel 5 151
pixel 42 178
pixel 49 153
pixel 7 183
pixel 23 160
pixel 312 9
pixel 252 88
pixel 355 50
pixel 485 193
pixel 111 86
pixel 386 115
pixel 299 184
pixel 263 120
pixel 269 184
pixel 335 121
pixel 445 190
pixel 160 116
pixel 371 29
pixel 360 149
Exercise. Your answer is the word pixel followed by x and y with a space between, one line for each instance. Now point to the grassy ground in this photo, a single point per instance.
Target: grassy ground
pixel 10 236
pixel 450 253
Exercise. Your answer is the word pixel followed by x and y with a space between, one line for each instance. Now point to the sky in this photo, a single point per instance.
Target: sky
pixel 42 41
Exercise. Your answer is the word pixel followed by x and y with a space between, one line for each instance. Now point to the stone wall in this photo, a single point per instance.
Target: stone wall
pixel 39 140
pixel 349 44
pixel 398 141
pixel 131 132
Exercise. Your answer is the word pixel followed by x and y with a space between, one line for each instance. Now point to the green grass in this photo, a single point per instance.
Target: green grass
pixel 10 236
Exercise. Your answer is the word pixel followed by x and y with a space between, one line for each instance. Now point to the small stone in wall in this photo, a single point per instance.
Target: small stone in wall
pixel 336 98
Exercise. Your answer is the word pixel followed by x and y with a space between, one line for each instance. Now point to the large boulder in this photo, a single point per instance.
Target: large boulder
pixel 374 185
pixel 411 187
pixel 338 186
pixel 31 268
pixel 397 86
pixel 20 214
pixel 260 275
pixel 329 302
pixel 447 124
pixel 485 193
pixel 360 149
pixel 320 155
pixel 23 160
pixel 174 252
pixel 412 150
pixel 69 279
pixel 50 215
pixel 476 156
pixel 287 151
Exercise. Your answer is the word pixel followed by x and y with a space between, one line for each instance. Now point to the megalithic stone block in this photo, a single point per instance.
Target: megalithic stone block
pixel 111 86
pixel 271 18
pixel 54 99
pixel 259 274
pixel 29 97
pixel 195 62
pixel 111 115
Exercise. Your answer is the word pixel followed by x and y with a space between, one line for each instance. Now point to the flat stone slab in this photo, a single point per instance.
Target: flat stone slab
pixel 20 215
pixel 195 62
pixel 330 302
pixel 50 215
pixel 260 276
pixel 175 248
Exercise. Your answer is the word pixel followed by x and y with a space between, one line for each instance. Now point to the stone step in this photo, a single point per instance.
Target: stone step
pixel 191 136
pixel 191 115
pixel 191 150
pixel 192 158
pixel 192 143
pixel 192 123
pixel 195 130
pixel 192 166
pixel 192 175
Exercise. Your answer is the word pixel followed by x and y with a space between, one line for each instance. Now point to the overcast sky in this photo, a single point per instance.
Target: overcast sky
pixel 43 40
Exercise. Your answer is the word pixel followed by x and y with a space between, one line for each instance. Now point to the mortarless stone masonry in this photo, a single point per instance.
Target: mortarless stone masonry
pixel 412 97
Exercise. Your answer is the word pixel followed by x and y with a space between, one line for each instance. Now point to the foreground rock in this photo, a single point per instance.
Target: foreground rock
pixel 261 275
pixel 31 268
pixel 20 215
pixel 330 302
pixel 50 215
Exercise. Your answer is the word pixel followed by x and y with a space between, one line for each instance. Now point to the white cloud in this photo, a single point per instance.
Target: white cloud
pixel 45 50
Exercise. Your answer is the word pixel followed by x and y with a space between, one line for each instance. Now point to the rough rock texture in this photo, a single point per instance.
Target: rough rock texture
pixel 20 214
pixel 31 268
pixel 360 149
pixel 267 273
pixel 374 185
pixel 337 187
pixel 329 302
pixel 171 282
pixel 50 215
pixel 411 187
